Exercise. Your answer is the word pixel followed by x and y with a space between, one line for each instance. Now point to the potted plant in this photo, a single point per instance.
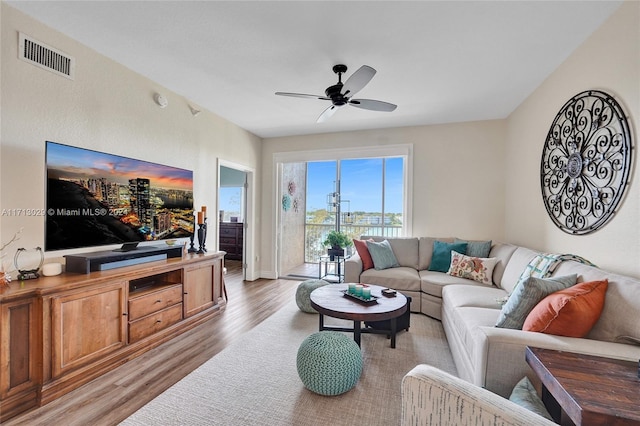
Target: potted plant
pixel 336 241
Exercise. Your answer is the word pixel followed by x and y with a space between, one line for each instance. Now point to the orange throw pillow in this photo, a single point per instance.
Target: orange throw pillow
pixel 571 312
pixel 363 252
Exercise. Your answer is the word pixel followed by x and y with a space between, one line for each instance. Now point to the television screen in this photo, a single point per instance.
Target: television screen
pixel 94 198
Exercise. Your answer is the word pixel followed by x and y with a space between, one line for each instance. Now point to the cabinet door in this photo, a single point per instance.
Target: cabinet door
pixel 202 287
pixel 87 325
pixel 18 347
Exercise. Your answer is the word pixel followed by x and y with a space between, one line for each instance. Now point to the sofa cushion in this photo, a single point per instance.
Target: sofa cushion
pixel 405 249
pixel 426 250
pixel 517 263
pixel 432 282
pixel 441 259
pixel 474 268
pixel 527 295
pixel 363 252
pixel 479 296
pixel 382 255
pixel 503 253
pixel 400 278
pixel 571 312
pixel 476 248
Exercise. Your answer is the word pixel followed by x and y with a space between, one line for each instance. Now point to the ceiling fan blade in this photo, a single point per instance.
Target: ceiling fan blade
pixel 370 104
pixel 302 95
pixel 358 80
pixel 327 113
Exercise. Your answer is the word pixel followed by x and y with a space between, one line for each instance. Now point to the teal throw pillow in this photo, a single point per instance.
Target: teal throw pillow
pixel 441 258
pixel 525 395
pixel 527 295
pixel 382 255
pixel 476 248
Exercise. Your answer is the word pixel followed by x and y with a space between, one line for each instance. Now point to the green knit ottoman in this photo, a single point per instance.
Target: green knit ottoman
pixel 329 363
pixel 302 294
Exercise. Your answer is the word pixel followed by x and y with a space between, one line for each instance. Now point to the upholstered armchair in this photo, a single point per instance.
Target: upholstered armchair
pixel 433 397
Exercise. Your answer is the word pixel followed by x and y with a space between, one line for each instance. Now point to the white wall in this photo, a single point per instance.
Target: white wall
pixel 609 60
pixel 107 108
pixel 458 178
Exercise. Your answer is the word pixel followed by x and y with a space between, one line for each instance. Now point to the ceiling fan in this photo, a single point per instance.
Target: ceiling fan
pixel 340 94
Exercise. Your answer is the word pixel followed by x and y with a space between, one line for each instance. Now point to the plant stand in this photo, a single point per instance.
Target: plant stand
pixel 331 269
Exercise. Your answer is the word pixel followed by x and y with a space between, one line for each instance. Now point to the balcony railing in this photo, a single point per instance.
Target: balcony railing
pixel 315 234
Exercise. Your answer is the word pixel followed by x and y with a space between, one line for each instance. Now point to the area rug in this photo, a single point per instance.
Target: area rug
pixel 254 381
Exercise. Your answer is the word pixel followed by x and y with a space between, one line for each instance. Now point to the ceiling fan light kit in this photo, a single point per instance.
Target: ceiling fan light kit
pixel 340 94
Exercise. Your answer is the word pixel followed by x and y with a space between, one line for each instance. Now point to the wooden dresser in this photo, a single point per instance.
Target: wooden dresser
pixel 231 239
pixel 58 333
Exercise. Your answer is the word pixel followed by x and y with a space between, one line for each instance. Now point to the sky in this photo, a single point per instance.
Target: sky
pixel 360 184
pixel 230 199
pixel 85 163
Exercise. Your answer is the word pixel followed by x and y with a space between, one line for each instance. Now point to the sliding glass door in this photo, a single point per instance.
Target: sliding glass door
pixel 356 196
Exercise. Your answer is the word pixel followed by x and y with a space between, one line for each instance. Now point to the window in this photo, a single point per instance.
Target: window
pixel 358 196
pixel 231 199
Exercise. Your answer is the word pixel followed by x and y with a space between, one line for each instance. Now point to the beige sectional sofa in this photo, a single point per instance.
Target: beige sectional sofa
pixel 486 355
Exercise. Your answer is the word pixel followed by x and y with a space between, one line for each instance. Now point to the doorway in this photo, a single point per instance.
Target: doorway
pixel 235 216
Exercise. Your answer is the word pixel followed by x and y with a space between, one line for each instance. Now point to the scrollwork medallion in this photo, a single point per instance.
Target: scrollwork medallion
pixel 586 162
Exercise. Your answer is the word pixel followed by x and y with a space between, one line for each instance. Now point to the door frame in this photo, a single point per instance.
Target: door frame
pixel 248 243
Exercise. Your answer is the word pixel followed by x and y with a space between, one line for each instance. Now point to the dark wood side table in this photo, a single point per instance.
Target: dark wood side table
pixel 587 390
pixel 330 300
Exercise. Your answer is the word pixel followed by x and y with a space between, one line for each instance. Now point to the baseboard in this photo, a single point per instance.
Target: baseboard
pixel 268 275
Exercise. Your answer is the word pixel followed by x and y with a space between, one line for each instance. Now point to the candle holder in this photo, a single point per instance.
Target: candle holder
pixel 201 236
pixel 204 239
pixel 192 248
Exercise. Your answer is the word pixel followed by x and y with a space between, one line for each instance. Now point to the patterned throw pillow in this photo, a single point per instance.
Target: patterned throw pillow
pixel 382 255
pixel 473 268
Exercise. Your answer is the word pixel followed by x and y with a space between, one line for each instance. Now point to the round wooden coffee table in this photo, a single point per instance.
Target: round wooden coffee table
pixel 330 300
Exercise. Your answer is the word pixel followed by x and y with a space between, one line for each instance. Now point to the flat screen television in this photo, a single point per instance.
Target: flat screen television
pixel 94 199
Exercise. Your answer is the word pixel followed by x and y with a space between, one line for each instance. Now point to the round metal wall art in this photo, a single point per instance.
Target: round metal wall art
pixel 586 162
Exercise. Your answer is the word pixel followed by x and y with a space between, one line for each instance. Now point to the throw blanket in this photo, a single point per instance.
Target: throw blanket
pixel 543 266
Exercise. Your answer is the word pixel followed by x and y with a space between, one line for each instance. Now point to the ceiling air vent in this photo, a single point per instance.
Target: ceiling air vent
pixel 46 57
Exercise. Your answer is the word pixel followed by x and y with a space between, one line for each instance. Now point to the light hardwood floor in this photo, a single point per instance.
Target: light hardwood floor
pixel 116 395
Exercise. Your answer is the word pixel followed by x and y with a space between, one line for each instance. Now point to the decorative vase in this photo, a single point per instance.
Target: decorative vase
pixel 204 238
pixel 201 236
pixel 192 248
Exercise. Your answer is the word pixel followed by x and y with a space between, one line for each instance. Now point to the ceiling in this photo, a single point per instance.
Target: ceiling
pixel 439 61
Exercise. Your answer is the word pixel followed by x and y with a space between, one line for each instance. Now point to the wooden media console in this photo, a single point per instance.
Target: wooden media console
pixel 58 333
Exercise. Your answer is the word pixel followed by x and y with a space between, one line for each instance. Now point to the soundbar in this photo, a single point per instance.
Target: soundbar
pixel 105 260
